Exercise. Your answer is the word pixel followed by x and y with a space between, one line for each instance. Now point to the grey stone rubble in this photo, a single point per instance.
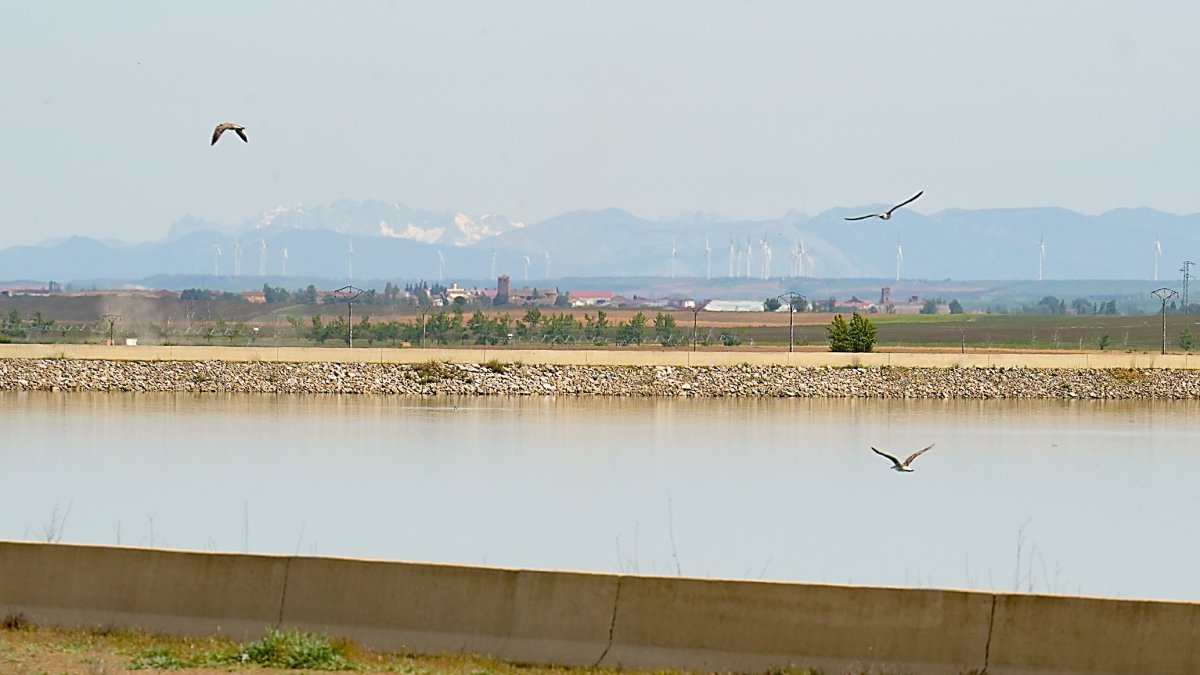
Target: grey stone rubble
pixel 493 379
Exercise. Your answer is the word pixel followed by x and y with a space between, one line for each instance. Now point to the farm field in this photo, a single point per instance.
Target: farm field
pixel 154 321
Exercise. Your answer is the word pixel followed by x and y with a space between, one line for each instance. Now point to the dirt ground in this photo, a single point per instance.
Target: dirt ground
pixel 39 650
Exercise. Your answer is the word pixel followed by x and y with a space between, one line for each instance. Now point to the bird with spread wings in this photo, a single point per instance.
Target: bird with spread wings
pixel 888 214
pixel 226 126
pixel 904 466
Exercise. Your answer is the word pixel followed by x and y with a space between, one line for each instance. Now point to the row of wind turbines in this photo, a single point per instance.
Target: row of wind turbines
pixel 740 260
pixel 262 259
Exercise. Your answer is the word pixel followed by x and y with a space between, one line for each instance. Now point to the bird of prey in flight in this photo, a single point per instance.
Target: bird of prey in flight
pixel 888 214
pixel 226 126
pixel 897 465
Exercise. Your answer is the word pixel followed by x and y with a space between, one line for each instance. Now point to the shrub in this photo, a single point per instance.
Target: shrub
pixel 295 650
pixel 858 335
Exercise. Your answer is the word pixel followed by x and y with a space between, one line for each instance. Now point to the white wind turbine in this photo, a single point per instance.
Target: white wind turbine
pixel 801 260
pixel 350 259
pixel 1157 253
pixel 283 270
pixel 899 258
pixel 732 257
pixel 766 257
pixel 237 258
pixel 441 264
pixel 527 263
pixel 672 257
pixel 262 258
pixel 493 262
pixel 547 264
pixel 216 260
pixel 1041 255
pixel 707 258
pixel 749 258
pixel 794 260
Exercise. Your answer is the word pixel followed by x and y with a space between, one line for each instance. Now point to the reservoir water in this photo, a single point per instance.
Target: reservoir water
pixel 1076 497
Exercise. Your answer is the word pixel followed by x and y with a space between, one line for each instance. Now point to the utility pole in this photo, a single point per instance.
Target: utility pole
pixel 112 320
pixel 791 298
pixel 695 318
pixel 350 294
pixel 1186 269
pixel 1165 294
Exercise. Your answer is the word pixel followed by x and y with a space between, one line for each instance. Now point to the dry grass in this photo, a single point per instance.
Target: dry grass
pixel 39 649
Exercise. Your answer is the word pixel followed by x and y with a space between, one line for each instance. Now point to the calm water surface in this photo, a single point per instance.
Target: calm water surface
pixel 1097 498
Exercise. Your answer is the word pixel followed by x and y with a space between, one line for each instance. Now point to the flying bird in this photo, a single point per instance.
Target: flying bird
pixel 226 126
pixel 897 464
pixel 888 214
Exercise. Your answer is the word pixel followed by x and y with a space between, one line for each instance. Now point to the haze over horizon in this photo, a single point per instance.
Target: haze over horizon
pixel 530 110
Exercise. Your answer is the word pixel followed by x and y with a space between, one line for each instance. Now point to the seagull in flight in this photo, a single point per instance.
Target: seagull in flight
pixel 226 126
pixel 897 464
pixel 888 214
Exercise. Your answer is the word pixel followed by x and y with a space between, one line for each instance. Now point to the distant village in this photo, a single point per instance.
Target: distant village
pixel 504 295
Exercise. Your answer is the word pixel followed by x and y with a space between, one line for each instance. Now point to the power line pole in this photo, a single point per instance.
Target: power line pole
pixel 1186 269
pixel 792 298
pixel 350 293
pixel 1164 294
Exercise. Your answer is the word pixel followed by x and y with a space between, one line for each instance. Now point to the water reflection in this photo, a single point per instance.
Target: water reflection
pixel 1086 497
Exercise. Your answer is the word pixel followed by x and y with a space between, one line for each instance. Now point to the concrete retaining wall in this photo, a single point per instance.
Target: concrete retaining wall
pixel 621 357
pixel 584 619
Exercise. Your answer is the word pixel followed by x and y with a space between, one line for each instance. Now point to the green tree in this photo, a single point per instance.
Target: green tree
pixel 665 329
pixel 1103 342
pixel 771 304
pixel 1052 305
pixel 956 307
pixel 1082 306
pixel 297 325
pixel 930 306
pixel 1187 341
pixel 594 329
pixel 862 333
pixel 633 332
pixel 859 335
pixel 530 324
pixel 561 327
pixel 363 330
pixel 838 334
pixel 388 331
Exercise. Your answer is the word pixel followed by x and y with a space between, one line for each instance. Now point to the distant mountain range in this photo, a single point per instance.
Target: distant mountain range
pixel 390 241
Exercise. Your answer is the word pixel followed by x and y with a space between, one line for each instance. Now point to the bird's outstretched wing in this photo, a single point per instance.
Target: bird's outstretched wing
pixel 916 454
pixel 217 132
pixel 242 134
pixel 869 215
pixel 894 460
pixel 906 202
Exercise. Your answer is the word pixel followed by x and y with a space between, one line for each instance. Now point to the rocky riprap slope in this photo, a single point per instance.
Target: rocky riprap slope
pixel 437 379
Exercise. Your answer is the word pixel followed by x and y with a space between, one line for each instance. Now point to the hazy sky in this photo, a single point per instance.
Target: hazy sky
pixel 528 109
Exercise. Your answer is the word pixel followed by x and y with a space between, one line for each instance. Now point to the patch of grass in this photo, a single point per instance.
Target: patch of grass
pixel 157 658
pixel 296 650
pixel 291 650
pixel 14 622
pixel 496 366
pixel 434 371
pixel 1127 375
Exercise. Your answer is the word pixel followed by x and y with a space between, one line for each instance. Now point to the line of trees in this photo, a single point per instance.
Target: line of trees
pixel 455 327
